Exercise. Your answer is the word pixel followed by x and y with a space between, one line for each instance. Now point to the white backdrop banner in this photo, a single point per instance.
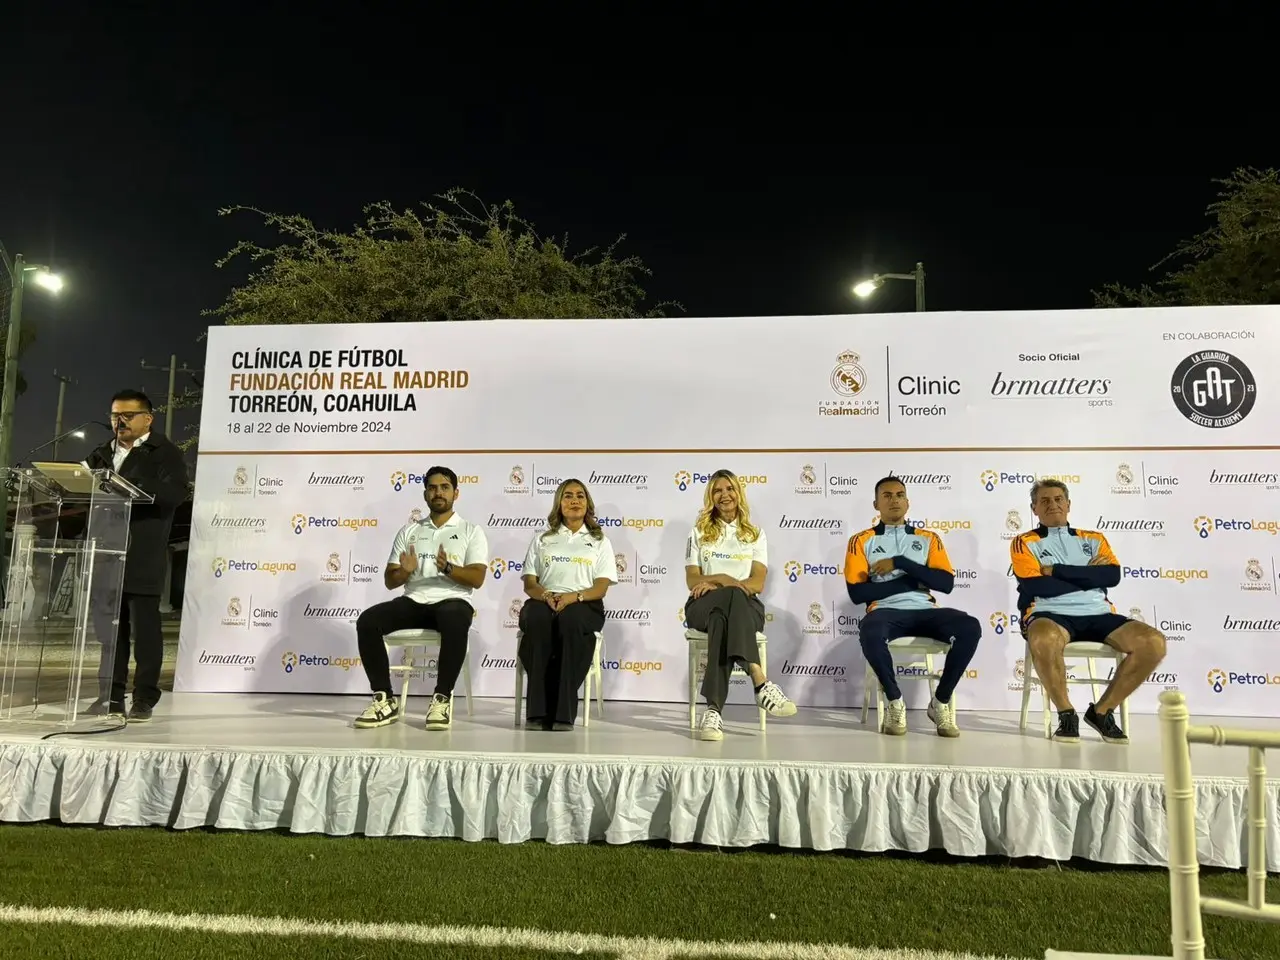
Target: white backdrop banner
pixel 314 440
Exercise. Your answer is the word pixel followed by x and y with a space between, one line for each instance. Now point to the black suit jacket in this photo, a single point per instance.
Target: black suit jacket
pixel 156 467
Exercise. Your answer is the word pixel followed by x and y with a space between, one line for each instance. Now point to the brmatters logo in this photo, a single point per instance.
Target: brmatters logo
pixel 634 481
pixel 1204 526
pixel 301 522
pixel 1213 389
pixel 685 479
pixel 1251 479
pixel 794 570
pixel 849 382
pixel 222 566
pixel 832 525
pixel 632 616
pixel 238 524
pixel 1095 390
pixel 246 483
pixel 1219 680
pixel 1152 528
pixel 337 481
pixel 991 479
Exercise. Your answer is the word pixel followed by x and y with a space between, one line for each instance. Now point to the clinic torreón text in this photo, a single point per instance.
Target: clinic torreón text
pixel 364 381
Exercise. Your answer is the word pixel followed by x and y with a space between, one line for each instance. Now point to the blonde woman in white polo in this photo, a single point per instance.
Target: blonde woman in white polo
pixel 567 572
pixel 726 562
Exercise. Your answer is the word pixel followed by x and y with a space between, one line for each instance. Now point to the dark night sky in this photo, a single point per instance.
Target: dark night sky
pixel 776 205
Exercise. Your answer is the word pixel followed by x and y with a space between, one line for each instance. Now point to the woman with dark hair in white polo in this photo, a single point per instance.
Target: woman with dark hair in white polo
pixel 567 572
pixel 726 562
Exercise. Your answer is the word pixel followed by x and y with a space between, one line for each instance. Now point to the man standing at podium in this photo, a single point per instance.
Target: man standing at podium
pixel 153 464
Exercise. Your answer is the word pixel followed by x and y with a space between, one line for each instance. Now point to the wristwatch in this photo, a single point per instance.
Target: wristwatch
pixel 448 568
pixel 579 596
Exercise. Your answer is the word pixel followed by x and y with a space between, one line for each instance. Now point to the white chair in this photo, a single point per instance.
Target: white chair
pixel 912 648
pixel 1176 736
pixel 1088 651
pixel 426 641
pixel 697 650
pixel 594 681
pixel 1186 904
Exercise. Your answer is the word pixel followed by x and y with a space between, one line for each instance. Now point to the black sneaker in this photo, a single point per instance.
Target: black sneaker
pixel 103 708
pixel 140 713
pixel 1105 724
pixel 1068 727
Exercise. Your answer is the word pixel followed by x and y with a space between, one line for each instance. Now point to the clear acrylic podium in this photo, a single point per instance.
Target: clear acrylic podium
pixel 62 591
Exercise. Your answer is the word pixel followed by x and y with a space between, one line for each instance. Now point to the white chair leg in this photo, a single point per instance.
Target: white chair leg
pixel 599 667
pixel 764 668
pixel 693 684
pixel 466 680
pixel 1044 703
pixel 1093 679
pixel 519 692
pixel 928 669
pixel 1028 670
pixel 869 683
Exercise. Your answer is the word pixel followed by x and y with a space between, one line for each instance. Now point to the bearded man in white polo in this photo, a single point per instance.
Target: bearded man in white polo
pixel 439 562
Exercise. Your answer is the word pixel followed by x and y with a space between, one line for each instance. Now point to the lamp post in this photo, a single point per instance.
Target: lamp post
pixel 18 271
pixel 867 287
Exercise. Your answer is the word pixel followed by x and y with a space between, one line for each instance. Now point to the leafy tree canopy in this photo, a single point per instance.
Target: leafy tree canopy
pixel 462 260
pixel 1236 260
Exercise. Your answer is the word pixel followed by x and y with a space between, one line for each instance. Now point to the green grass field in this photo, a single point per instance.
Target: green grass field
pixel 217 895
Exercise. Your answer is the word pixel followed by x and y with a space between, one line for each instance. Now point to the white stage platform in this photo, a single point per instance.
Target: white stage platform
pixel 817 781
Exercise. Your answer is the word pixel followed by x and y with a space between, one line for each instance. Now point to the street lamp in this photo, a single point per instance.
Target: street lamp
pixel 41 276
pixel 867 287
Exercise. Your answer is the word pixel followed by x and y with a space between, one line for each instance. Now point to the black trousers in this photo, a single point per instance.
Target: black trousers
pixel 451 618
pixel 731 620
pixel 138 617
pixel 556 651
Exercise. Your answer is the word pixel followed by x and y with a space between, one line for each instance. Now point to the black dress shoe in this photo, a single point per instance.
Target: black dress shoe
pixel 103 708
pixel 139 713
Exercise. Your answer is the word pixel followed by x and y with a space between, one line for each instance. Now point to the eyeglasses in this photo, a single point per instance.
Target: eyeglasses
pixel 128 417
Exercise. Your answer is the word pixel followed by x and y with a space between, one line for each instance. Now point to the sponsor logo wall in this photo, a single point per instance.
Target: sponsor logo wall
pixel 313 459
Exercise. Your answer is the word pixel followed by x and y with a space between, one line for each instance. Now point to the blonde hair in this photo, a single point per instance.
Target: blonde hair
pixel 555 520
pixel 709 525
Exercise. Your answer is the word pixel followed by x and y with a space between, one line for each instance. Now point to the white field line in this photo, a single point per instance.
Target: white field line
pixel 626 948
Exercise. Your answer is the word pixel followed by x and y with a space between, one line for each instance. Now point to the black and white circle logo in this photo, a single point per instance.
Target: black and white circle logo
pixel 1213 389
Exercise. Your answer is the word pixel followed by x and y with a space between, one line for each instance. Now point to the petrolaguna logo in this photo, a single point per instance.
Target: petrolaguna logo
pixel 794 570
pixel 1207 525
pixel 301 522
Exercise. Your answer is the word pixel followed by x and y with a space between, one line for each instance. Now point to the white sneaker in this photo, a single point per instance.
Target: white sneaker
pixel 944 716
pixel 774 702
pixel 381 711
pixel 711 727
pixel 895 718
pixel 438 713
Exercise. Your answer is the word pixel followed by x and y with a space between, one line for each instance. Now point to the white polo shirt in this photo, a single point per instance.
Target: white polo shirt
pixel 464 544
pixel 567 562
pixel 728 555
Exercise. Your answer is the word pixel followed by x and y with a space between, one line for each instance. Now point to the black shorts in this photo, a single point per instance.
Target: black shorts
pixel 1092 628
